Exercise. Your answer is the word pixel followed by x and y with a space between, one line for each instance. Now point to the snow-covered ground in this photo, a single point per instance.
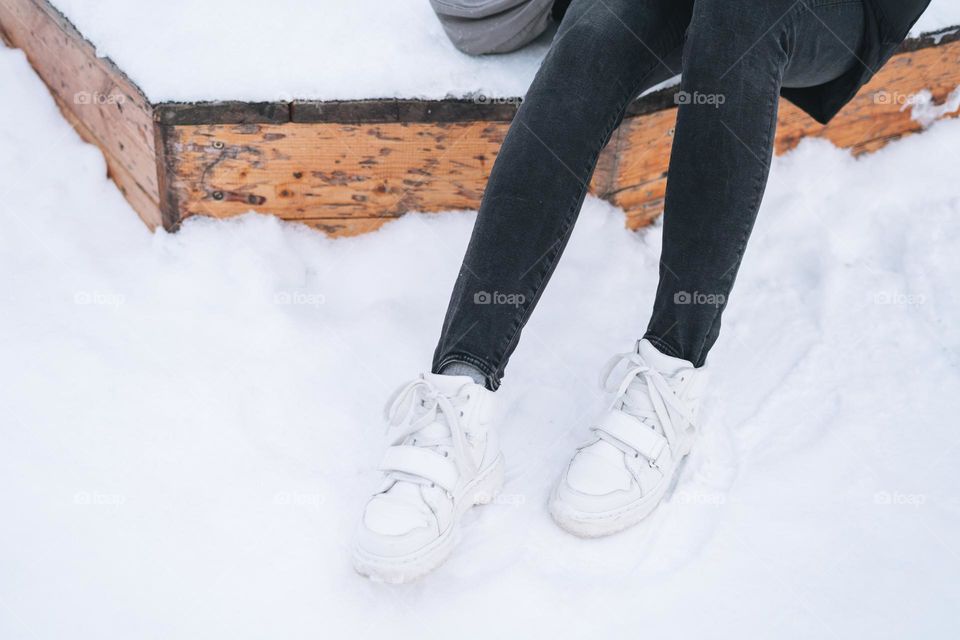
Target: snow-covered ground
pixel 190 422
pixel 185 50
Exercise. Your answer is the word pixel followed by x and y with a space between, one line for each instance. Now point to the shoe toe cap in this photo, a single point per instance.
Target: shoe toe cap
pixel 594 483
pixel 393 528
pixel 593 474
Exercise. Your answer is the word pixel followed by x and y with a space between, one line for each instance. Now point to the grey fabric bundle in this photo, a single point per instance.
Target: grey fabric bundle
pixel 492 26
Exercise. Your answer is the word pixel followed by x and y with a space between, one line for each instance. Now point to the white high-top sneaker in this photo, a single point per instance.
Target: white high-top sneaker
pixel 617 478
pixel 443 458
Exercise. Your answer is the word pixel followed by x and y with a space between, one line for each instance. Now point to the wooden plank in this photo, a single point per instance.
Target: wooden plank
pixel 336 171
pixel 350 166
pixel 329 171
pixel 877 116
pixel 368 159
pixel 231 112
pixel 97 98
pixel 373 111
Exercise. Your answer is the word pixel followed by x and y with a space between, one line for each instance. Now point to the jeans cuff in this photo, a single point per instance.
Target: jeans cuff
pixel 493 381
pixel 663 346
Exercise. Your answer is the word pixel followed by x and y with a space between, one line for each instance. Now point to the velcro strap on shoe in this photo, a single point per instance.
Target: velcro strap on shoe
pixel 633 433
pixel 423 463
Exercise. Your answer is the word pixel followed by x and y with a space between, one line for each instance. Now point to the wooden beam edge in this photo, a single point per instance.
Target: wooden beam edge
pixel 166 170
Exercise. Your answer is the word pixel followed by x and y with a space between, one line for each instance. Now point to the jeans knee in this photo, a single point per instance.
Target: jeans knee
pixel 587 65
pixel 608 39
pixel 736 36
pixel 580 40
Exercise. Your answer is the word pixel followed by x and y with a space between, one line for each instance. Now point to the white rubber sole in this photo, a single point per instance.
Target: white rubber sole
pixel 585 524
pixel 402 569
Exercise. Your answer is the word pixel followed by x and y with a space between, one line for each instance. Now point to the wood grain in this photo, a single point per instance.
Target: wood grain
pixel 335 172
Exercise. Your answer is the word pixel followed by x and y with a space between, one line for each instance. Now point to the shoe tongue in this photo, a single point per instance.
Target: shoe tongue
pixel 639 403
pixel 638 399
pixel 666 365
pixel 448 386
pixel 437 429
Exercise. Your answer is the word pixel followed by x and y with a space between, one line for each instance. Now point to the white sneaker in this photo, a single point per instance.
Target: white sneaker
pixel 619 477
pixel 443 459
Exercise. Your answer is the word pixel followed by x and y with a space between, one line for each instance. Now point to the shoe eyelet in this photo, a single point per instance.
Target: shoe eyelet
pixel 636 455
pixel 446 454
pixel 461 414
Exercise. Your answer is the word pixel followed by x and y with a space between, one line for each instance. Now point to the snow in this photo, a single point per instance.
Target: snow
pixel 924 110
pixel 939 15
pixel 190 422
pixel 184 50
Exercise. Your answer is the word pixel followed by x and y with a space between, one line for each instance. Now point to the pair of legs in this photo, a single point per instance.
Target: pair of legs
pixel 735 56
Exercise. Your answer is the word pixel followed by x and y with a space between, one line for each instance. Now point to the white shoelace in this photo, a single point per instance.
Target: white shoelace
pixel 419 405
pixel 647 403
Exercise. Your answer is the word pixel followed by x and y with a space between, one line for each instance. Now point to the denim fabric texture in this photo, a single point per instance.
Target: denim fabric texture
pixel 736 56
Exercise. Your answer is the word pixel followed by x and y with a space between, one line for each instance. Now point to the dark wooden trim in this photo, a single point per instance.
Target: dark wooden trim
pixel 371 111
pixel 477 108
pixel 396 110
pixel 377 110
pixel 351 111
pixel 222 112
pixel 166 169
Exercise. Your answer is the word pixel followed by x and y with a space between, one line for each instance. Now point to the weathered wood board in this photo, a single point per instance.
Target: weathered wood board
pixel 105 107
pixel 340 177
pixel 350 167
pixel 345 176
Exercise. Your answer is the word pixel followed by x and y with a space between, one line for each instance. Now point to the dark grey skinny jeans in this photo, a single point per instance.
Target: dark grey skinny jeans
pixel 735 56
